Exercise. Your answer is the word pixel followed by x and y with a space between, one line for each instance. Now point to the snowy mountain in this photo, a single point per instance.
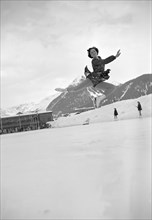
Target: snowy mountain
pixel 32 106
pixel 80 101
pixel 77 80
pixel 72 101
pixel 132 89
pixel 28 107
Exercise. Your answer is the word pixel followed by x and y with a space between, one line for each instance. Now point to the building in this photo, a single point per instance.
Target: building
pixel 25 122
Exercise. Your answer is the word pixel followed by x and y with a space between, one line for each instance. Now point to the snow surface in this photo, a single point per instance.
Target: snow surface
pixel 126 109
pixel 96 171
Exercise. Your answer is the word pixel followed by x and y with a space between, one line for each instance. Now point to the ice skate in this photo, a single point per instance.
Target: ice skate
pixel 86 71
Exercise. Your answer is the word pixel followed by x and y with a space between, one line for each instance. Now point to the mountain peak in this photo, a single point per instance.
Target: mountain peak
pixel 77 80
pixel 83 99
pixel 29 107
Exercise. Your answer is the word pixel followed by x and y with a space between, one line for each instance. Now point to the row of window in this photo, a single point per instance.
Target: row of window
pixel 23 122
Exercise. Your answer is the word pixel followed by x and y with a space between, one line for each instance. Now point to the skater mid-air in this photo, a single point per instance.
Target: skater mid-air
pixel 99 74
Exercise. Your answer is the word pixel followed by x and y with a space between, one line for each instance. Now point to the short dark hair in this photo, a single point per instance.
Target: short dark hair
pixel 95 48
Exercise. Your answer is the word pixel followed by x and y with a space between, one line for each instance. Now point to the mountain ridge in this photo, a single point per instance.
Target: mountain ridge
pixel 61 103
pixel 72 101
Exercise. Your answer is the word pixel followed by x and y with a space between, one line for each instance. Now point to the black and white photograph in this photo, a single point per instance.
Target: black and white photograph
pixel 75 109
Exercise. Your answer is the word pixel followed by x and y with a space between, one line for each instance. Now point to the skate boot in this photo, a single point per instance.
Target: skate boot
pixel 86 71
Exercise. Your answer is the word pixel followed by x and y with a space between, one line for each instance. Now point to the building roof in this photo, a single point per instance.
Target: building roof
pixel 20 115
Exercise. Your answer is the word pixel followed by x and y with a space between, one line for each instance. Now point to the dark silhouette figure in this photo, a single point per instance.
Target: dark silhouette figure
pixel 115 113
pixel 139 107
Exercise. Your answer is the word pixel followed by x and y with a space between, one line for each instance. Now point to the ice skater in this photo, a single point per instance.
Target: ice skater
pixel 139 107
pixel 115 113
pixel 98 76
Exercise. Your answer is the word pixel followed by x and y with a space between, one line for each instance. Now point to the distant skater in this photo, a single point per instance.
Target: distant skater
pixel 115 113
pixel 98 76
pixel 139 107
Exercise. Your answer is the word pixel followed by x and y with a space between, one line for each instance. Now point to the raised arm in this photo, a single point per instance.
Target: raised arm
pixel 111 58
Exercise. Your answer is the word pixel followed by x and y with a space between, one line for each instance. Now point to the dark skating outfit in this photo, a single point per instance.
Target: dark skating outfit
pixel 99 74
pixel 115 113
pixel 139 108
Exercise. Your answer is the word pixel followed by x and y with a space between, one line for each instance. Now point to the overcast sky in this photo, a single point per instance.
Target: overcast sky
pixel 44 43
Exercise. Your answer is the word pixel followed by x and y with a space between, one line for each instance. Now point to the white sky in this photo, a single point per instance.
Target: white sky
pixel 44 43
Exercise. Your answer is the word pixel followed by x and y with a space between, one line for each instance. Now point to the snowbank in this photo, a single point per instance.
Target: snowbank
pixel 126 109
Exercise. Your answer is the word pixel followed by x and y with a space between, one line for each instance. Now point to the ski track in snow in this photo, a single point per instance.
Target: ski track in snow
pixel 96 171
pixel 125 91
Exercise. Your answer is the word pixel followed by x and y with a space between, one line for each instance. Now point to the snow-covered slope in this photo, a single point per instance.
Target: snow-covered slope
pixel 29 107
pixel 61 103
pixel 42 105
pixel 126 109
pixel 77 80
pixel 134 88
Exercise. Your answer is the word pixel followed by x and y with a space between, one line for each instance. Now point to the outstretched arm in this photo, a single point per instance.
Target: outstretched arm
pixel 111 58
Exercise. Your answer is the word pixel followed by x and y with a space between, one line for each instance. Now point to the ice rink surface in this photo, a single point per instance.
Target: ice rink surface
pixel 96 171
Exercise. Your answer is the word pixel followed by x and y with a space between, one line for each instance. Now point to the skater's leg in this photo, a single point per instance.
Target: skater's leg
pixel 108 88
pixel 85 83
